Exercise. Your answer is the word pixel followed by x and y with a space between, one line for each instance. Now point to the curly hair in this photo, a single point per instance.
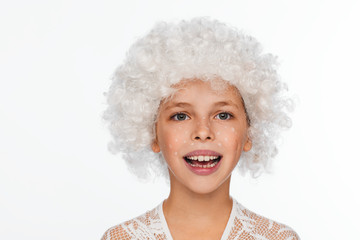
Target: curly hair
pixel 204 49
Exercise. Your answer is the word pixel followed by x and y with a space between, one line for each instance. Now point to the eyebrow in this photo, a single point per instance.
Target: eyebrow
pixel 178 104
pixel 227 103
pixel 217 104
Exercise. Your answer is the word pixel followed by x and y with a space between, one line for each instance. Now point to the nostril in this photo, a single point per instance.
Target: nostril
pixel 199 138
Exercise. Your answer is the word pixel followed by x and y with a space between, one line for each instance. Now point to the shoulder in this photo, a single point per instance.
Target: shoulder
pixel 261 227
pixel 141 227
pixel 116 233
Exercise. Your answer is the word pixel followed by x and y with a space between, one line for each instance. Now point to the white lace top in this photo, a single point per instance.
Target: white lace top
pixel 242 224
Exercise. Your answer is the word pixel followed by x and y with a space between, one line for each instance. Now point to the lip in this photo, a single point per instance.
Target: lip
pixel 202 153
pixel 199 170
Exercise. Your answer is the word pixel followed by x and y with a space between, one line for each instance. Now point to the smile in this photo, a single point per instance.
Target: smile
pixel 203 161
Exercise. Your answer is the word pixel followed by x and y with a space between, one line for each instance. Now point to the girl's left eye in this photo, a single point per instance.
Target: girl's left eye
pixel 224 116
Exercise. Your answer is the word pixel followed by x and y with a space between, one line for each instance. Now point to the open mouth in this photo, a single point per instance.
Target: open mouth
pixel 207 161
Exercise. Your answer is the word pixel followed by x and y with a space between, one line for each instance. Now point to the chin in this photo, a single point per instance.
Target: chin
pixel 204 186
pixel 200 184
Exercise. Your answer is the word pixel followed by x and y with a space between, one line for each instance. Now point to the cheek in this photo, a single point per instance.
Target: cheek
pixel 229 138
pixel 170 140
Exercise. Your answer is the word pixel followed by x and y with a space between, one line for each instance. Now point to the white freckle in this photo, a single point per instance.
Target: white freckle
pixel 225 126
pixel 184 141
pixel 176 139
pixel 226 139
pixel 233 129
pixel 170 146
pixel 219 144
pixel 203 117
pixel 192 144
pixel 175 153
pixel 186 132
pixel 218 133
pixel 207 128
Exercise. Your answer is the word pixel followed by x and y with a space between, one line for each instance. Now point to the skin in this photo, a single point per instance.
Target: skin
pixel 200 118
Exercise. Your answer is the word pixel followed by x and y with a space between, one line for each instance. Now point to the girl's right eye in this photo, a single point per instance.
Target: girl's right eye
pixel 180 117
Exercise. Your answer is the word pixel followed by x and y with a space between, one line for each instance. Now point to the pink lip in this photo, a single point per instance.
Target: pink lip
pixel 202 153
pixel 199 170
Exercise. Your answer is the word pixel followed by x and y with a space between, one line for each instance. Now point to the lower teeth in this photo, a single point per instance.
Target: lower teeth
pixel 203 166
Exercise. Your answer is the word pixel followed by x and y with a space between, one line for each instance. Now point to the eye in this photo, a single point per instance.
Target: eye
pixel 179 117
pixel 224 116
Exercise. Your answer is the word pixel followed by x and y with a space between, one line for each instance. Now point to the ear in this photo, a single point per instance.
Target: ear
pixel 155 146
pixel 247 145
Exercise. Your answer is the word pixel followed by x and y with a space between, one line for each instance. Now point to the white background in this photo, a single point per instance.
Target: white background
pixel 57 179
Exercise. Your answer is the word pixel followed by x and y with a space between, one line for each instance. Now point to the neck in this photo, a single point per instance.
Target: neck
pixel 186 204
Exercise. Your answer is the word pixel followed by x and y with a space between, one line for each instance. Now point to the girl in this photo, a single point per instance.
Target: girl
pixel 192 101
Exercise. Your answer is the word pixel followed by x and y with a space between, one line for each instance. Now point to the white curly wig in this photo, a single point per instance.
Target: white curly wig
pixel 197 49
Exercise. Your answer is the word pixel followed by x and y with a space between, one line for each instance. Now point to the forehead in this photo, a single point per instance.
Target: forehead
pixel 196 90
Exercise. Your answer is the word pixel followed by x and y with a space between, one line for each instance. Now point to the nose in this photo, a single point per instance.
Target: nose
pixel 202 131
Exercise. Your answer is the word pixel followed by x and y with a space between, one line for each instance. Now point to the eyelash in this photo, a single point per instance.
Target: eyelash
pixel 173 117
pixel 229 115
pixel 177 114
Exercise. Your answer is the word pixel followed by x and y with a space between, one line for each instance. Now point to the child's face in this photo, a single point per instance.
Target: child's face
pixel 201 134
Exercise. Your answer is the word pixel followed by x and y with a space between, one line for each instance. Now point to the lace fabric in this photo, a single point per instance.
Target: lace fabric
pixel 242 224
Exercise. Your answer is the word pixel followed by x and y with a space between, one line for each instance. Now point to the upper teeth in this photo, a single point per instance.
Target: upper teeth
pixel 202 158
